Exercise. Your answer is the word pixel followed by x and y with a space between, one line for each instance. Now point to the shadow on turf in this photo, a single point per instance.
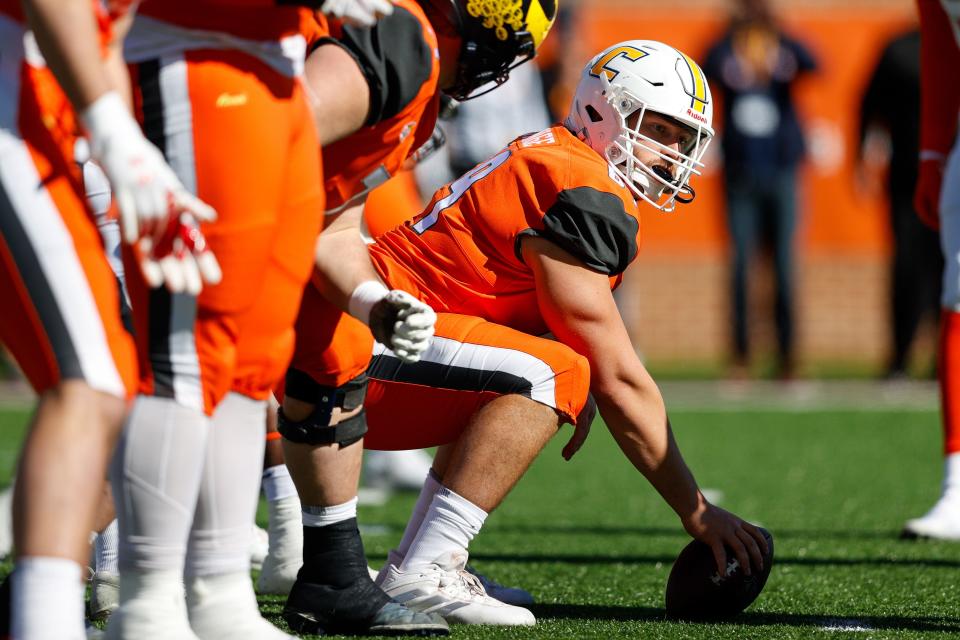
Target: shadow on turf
pixel 750 618
pixel 616 530
pixel 934 563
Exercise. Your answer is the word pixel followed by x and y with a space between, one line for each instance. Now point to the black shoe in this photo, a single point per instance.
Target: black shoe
pixel 357 610
pixel 334 593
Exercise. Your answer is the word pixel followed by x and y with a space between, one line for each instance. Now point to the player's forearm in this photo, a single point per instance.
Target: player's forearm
pixel 118 75
pixel 635 414
pixel 67 35
pixel 342 264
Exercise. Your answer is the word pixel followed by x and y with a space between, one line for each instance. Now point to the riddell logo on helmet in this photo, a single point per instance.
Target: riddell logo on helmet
pixel 697 116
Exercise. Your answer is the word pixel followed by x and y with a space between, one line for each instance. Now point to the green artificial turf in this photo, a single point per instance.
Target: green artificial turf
pixel 594 543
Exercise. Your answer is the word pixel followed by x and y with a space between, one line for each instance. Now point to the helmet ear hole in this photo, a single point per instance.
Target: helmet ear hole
pixel 593 113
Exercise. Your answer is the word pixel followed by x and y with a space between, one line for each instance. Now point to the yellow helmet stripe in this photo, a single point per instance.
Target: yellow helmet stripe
pixel 538 24
pixel 699 101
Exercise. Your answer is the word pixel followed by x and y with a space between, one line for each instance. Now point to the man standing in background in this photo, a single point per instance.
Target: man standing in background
pixel 917 263
pixel 754 65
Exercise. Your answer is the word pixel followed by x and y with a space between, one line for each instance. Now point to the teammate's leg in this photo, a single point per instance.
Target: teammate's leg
pixel 284 524
pixel 943 520
pixel 61 325
pixel 498 405
pixel 218 580
pixel 323 424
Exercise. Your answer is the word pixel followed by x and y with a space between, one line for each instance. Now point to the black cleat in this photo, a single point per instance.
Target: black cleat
pixel 322 610
pixel 334 594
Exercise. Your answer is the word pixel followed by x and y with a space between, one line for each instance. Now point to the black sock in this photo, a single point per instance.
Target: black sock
pixel 333 555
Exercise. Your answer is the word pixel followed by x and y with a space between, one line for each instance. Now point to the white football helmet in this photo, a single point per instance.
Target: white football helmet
pixel 642 76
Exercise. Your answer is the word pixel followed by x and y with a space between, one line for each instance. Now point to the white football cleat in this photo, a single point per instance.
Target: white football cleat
pixel 942 522
pixel 151 606
pixel 398 470
pixel 445 587
pixel 104 595
pixel 259 547
pixel 507 595
pixel 224 607
pixel 280 567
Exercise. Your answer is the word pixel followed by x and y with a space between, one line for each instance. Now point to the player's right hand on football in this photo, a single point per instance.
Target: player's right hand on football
pixel 719 529
pixel 926 196
pixel 359 13
pixel 157 214
pixel 403 323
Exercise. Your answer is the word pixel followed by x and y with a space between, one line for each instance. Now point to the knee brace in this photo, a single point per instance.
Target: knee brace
pixel 316 429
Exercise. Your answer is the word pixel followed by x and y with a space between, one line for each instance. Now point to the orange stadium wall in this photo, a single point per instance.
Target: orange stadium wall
pixel 675 298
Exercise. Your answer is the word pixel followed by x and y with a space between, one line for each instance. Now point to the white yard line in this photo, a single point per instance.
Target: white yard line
pixel 845 625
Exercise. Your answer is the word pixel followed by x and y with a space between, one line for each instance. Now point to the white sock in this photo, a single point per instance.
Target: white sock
pixel 224 607
pixel 47 599
pixel 105 550
pixel 277 483
pixel 285 530
pixel 152 606
pixel 156 474
pixel 229 490
pixel 951 474
pixel 323 516
pixel 451 523
pixel 430 487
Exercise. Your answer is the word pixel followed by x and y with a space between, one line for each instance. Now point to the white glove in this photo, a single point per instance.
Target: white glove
pixel 396 319
pixel 157 214
pixel 182 260
pixel 359 13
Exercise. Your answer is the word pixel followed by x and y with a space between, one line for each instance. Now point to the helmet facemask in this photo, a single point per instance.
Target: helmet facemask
pixel 484 67
pixel 661 186
pixel 496 35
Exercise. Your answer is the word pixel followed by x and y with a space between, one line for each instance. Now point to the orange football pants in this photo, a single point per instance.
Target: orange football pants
pixel 240 135
pixel 61 304
pixel 469 363
pixel 332 347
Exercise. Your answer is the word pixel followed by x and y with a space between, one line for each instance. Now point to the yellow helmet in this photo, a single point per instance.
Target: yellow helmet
pixel 498 35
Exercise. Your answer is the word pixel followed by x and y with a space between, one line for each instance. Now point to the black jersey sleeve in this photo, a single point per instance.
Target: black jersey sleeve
pixel 594 226
pixel 394 59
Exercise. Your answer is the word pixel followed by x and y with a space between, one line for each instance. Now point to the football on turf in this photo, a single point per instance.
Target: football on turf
pixel 697 591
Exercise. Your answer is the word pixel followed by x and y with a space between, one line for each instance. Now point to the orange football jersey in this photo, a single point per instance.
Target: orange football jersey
pixel 247 19
pixel 462 253
pixel 401 61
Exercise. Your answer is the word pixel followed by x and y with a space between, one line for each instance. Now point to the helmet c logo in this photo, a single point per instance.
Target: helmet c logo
pixel 630 53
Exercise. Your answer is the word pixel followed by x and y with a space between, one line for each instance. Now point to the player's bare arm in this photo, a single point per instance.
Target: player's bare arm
pixel 66 32
pixel 579 309
pixel 342 262
pixel 157 213
pixel 337 113
pixel 345 276
pixel 118 74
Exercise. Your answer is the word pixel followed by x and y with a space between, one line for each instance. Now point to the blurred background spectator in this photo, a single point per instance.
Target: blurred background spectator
pixel 753 67
pixel 891 104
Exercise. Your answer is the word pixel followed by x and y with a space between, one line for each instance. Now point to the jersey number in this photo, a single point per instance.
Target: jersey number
pixel 458 188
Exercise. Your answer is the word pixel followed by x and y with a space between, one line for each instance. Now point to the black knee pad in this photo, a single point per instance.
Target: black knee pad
pixel 315 429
